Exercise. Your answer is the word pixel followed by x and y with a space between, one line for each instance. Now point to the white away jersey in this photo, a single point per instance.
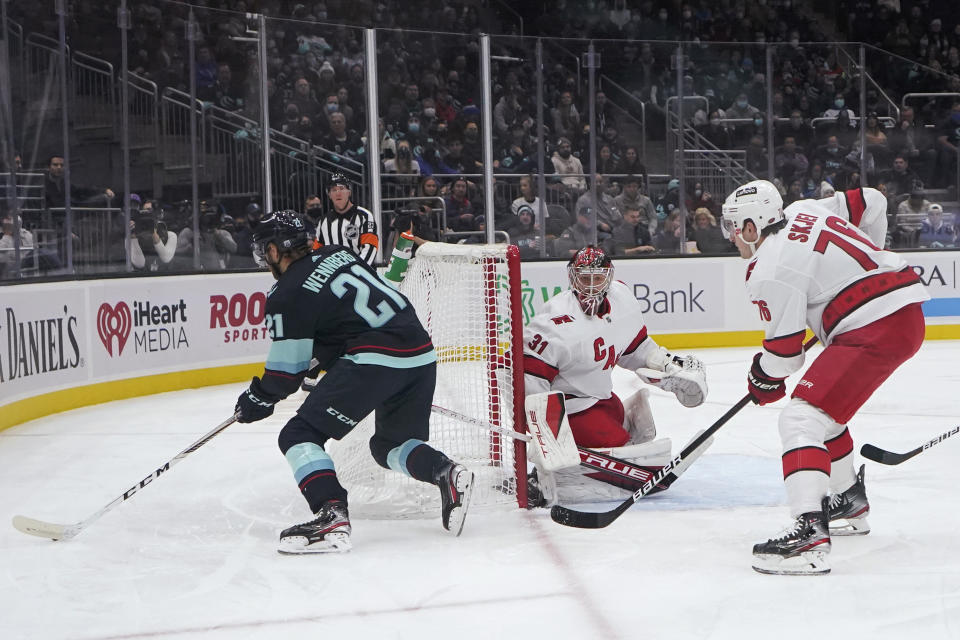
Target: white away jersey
pixel 567 350
pixel 822 272
pixel 865 208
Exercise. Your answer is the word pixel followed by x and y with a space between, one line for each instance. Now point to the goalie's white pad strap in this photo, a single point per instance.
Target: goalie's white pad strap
pixel 552 446
pixel 689 385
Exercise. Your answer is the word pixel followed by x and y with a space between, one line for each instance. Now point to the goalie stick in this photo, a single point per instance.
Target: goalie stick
pixel 871 452
pixel 589 458
pixel 666 476
pixel 54 531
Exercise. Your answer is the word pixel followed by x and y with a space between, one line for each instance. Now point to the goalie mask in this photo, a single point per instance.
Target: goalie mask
pixel 591 273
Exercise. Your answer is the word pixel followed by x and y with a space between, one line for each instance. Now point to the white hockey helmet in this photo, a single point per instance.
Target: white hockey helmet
pixel 591 273
pixel 758 201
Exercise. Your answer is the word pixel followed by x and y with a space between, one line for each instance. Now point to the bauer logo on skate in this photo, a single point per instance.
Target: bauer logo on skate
pixel 241 315
pixel 38 345
pixel 155 327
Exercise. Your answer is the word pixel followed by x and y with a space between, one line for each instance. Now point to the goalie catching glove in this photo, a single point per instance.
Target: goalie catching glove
pixel 764 389
pixel 252 405
pixel 683 376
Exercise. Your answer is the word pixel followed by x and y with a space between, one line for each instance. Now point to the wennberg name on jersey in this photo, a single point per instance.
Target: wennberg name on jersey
pixel 332 303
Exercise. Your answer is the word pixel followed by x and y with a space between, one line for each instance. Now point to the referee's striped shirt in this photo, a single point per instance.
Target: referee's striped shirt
pixel 354 228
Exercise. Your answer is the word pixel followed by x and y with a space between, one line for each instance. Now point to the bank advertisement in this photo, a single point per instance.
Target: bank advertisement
pixel 676 296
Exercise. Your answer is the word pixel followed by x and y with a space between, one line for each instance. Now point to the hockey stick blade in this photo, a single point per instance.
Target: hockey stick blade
pixel 52 531
pixel 872 452
pixel 44 529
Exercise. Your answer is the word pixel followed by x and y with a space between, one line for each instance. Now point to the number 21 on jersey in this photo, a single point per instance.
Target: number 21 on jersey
pixel 360 280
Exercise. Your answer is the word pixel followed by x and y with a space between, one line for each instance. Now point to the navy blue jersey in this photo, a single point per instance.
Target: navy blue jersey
pixel 331 304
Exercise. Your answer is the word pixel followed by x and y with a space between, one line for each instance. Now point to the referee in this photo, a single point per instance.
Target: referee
pixel 347 224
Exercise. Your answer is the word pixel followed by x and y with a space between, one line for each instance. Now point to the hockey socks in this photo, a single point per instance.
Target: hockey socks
pixel 315 475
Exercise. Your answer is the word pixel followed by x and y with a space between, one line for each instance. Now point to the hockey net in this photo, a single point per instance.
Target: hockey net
pixel 468 299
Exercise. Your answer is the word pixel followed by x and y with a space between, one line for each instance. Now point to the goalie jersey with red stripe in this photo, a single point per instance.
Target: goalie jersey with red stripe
pixel 567 350
pixel 821 271
pixel 866 208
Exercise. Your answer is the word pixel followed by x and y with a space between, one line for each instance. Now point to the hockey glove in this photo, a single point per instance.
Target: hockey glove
pixel 764 389
pixel 251 405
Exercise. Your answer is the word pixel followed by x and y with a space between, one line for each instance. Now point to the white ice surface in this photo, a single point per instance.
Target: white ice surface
pixel 193 555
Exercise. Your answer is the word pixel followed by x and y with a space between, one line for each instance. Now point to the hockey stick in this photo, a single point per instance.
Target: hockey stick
pixel 483 424
pixel 871 452
pixel 589 458
pixel 67 531
pixel 598 520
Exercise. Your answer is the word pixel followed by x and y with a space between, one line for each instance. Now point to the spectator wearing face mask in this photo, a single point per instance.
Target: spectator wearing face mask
pixel 839 105
pixel 741 108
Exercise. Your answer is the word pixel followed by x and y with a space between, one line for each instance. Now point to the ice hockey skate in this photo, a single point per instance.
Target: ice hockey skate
pixel 329 532
pixel 849 509
pixel 535 497
pixel 456 487
pixel 801 550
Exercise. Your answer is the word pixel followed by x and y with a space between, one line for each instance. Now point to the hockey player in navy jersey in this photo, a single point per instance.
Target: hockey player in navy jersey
pixel 330 305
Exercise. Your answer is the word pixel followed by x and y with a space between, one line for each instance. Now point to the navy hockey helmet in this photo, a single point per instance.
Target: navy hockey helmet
pixel 285 229
pixel 591 273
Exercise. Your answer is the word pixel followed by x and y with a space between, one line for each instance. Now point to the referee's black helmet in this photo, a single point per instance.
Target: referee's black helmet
pixel 339 179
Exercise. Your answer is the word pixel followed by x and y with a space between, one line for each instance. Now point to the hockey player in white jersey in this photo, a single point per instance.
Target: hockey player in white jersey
pixel 864 305
pixel 572 345
pixel 865 207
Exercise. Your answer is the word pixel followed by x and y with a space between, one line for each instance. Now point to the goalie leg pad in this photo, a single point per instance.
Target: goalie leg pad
pixel 552 445
pixel 611 479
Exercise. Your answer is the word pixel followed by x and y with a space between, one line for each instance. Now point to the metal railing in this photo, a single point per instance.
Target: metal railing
pixel 94 95
pixel 144 112
pixel 235 163
pixel 175 113
pixel 887 100
pixel 42 71
pixel 15 52
pixel 908 97
pixel 634 102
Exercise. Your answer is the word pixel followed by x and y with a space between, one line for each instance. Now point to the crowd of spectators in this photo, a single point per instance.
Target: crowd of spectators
pixel 429 129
